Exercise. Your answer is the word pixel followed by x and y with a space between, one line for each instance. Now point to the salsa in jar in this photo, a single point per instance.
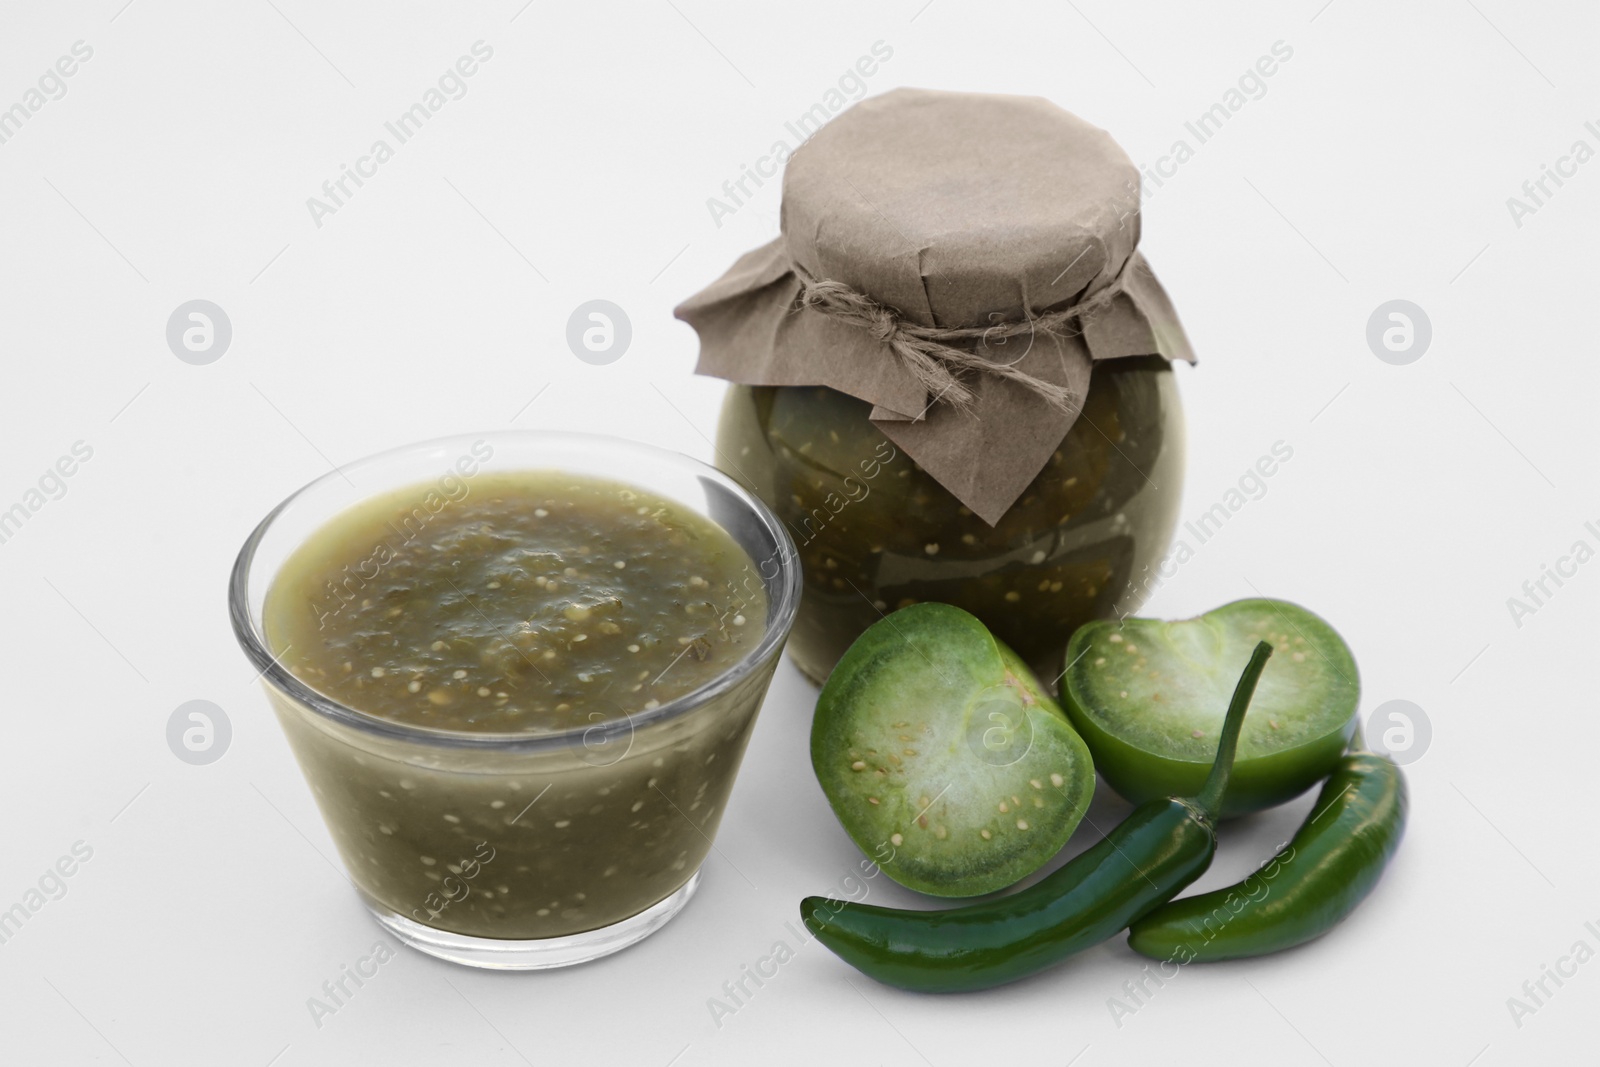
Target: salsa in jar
pixel 876 533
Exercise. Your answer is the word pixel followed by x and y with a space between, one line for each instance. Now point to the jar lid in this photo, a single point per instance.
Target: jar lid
pixel 958 260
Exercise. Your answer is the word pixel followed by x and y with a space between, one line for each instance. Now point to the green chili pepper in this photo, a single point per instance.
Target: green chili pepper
pixel 1152 855
pixel 1318 878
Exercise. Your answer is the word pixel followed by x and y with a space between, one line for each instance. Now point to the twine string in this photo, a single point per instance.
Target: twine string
pixel 939 357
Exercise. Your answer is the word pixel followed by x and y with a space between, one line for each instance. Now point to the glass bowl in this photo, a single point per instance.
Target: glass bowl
pixel 518 851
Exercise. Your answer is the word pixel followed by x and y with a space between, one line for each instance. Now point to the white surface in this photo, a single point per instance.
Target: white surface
pixel 1377 165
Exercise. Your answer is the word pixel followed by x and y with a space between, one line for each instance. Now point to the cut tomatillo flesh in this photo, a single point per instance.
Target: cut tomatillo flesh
pixel 944 758
pixel 1145 695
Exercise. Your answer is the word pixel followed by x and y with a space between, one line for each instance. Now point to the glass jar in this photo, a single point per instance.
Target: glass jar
pixel 875 532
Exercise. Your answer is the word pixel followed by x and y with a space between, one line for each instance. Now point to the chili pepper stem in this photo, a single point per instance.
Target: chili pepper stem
pixel 1210 798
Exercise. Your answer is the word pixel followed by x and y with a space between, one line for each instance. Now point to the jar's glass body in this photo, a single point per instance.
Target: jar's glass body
pixel 875 532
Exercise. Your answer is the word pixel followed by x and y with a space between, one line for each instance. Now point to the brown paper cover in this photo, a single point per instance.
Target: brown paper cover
pixel 956 210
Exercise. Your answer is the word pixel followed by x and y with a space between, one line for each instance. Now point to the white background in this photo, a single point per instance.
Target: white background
pixel 1376 166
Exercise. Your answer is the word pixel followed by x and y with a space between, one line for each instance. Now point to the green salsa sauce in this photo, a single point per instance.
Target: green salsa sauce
pixel 537 602
pixel 525 604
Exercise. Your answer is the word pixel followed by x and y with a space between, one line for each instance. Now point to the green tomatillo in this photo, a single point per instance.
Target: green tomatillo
pixel 1146 696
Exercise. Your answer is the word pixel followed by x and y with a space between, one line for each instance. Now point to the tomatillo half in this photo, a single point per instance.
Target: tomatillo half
pixel 944 758
pixel 1146 696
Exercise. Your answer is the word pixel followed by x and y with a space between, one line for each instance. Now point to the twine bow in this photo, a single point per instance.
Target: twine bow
pixel 938 356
